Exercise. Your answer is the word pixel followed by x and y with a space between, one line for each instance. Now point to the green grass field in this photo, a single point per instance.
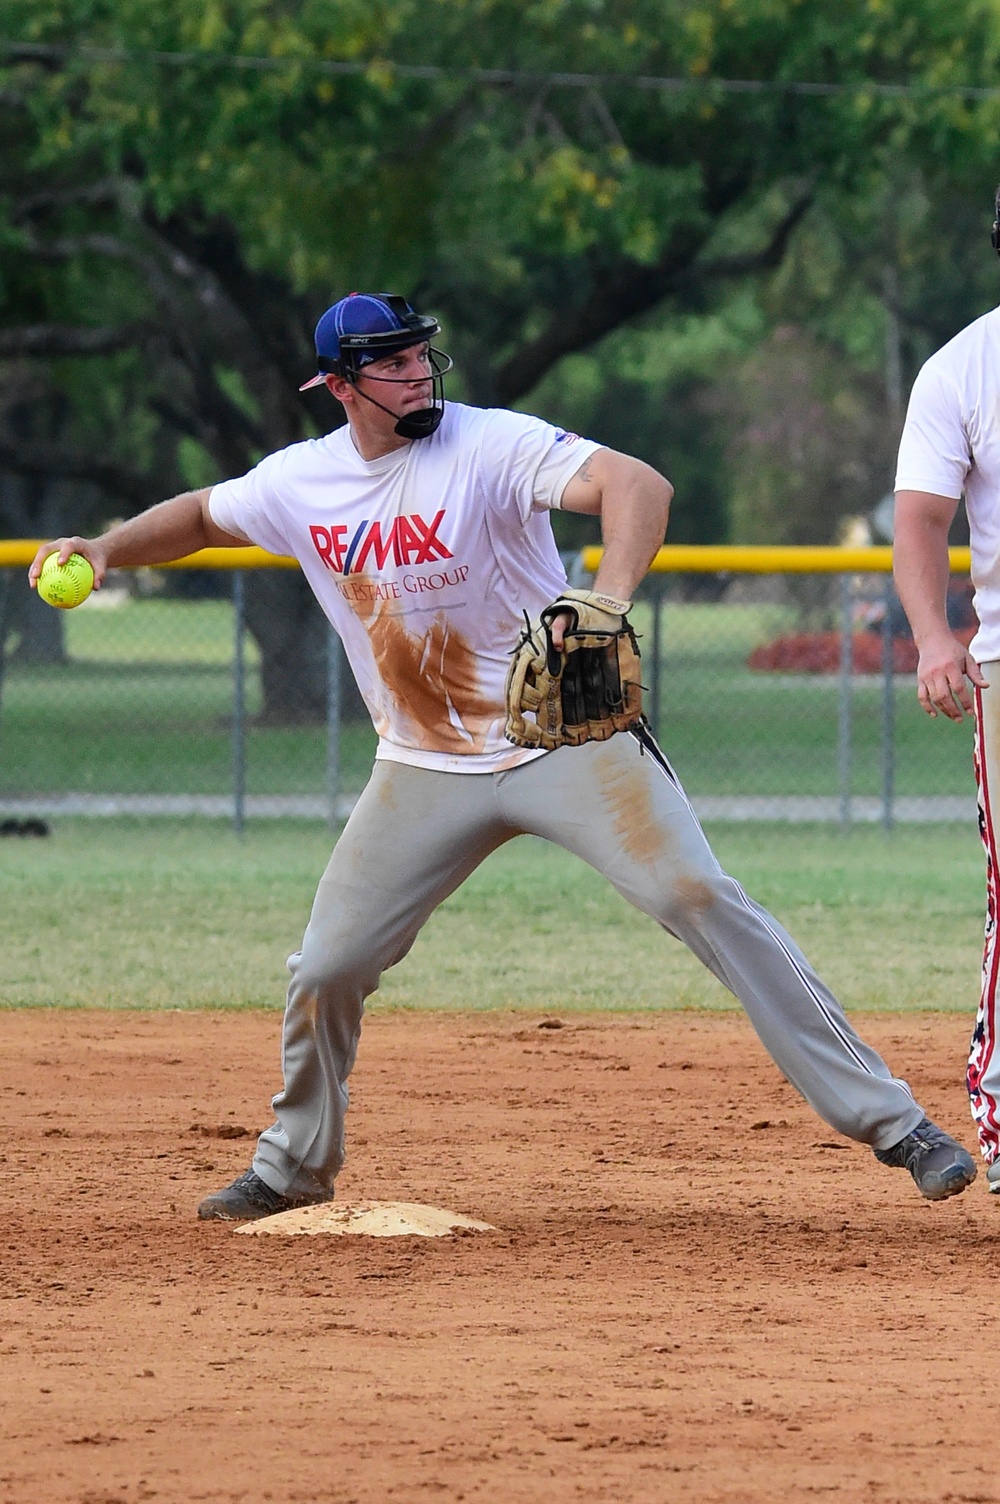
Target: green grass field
pixel 144 705
pixel 170 914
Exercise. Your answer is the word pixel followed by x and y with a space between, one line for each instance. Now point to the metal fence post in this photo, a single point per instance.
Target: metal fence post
pixel 334 655
pixel 888 711
pixel 239 706
pixel 844 708
pixel 6 616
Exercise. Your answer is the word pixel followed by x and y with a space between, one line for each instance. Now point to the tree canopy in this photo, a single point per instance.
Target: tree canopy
pixel 185 186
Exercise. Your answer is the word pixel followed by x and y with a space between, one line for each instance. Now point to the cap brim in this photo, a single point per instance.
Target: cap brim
pixel 313 381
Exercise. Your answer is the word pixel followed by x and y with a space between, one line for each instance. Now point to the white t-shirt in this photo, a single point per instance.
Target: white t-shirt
pixel 951 444
pixel 424 561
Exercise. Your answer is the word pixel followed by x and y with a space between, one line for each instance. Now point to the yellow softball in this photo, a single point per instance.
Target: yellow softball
pixel 65 585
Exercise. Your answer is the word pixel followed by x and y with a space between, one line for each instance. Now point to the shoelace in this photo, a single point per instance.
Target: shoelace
pixel 258 1190
pixel 920 1142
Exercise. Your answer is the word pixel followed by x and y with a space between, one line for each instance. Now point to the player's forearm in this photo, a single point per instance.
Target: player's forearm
pixel 635 506
pixel 170 530
pixel 921 568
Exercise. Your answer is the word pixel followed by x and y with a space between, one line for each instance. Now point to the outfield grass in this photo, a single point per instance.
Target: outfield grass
pixel 144 706
pixel 183 914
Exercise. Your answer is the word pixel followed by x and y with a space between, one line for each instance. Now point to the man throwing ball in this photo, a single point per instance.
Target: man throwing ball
pixel 423 529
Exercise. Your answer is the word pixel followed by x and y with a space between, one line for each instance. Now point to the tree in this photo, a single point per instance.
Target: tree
pixel 171 230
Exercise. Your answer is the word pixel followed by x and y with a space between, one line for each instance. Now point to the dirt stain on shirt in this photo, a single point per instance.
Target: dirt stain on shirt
pixel 512 760
pixel 432 677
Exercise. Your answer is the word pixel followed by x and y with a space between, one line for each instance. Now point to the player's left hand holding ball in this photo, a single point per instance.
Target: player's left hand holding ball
pixel 65 572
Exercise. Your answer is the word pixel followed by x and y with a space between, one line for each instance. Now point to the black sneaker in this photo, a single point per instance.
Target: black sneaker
pixel 248 1198
pixel 938 1164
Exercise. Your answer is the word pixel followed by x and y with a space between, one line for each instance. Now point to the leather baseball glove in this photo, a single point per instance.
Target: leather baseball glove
pixel 585 693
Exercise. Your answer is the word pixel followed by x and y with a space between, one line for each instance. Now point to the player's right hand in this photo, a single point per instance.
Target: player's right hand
pixel 945 670
pixel 90 548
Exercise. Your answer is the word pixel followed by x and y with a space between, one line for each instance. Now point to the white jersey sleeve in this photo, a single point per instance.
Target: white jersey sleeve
pixel 934 451
pixel 529 461
pixel 249 506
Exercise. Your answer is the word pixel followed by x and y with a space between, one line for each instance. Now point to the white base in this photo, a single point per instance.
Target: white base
pixel 369 1219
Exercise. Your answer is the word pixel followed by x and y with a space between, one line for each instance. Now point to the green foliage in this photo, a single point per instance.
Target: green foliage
pixel 653 391
pixel 810 441
pixel 222 206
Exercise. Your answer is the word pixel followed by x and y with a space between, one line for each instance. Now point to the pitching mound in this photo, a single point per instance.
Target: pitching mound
pixel 367 1219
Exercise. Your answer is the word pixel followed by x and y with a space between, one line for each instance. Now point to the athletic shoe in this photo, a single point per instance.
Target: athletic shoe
pixel 249 1198
pixel 938 1164
pixel 993 1178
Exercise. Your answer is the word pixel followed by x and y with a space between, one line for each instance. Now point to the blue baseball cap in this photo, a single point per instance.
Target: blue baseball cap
pixel 364 327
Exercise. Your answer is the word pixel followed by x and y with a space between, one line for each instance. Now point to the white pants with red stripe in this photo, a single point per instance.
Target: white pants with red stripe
pixel 415 835
pixel 984 1058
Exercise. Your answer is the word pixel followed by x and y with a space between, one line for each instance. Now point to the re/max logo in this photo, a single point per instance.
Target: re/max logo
pixel 410 540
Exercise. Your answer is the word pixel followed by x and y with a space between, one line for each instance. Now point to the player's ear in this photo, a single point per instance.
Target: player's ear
pixel 341 388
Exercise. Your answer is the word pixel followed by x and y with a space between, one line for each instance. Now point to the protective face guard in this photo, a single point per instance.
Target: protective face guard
pixel 425 420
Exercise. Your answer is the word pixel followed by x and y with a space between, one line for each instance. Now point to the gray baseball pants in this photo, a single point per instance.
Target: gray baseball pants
pixel 415 835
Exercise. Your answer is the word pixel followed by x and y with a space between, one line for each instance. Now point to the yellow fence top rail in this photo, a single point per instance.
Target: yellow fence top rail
pixel 693 558
pixel 736 558
pixel 22 550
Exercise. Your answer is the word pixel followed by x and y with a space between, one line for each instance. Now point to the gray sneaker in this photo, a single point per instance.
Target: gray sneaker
pixel 937 1162
pixel 249 1198
pixel 993 1178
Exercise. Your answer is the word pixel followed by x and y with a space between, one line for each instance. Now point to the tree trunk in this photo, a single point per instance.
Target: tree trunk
pixel 42 630
pixel 36 506
pixel 290 631
pixel 6 625
pixel 292 634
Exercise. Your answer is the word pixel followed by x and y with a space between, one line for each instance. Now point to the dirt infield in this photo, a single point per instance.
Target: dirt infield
pixel 696 1291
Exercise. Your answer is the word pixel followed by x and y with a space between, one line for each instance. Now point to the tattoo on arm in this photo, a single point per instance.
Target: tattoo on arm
pixel 584 472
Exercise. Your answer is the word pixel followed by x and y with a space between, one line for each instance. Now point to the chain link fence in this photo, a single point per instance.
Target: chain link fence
pixel 786 694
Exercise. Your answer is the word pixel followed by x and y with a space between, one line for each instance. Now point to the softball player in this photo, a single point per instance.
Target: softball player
pixel 423 530
pixel 951 446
